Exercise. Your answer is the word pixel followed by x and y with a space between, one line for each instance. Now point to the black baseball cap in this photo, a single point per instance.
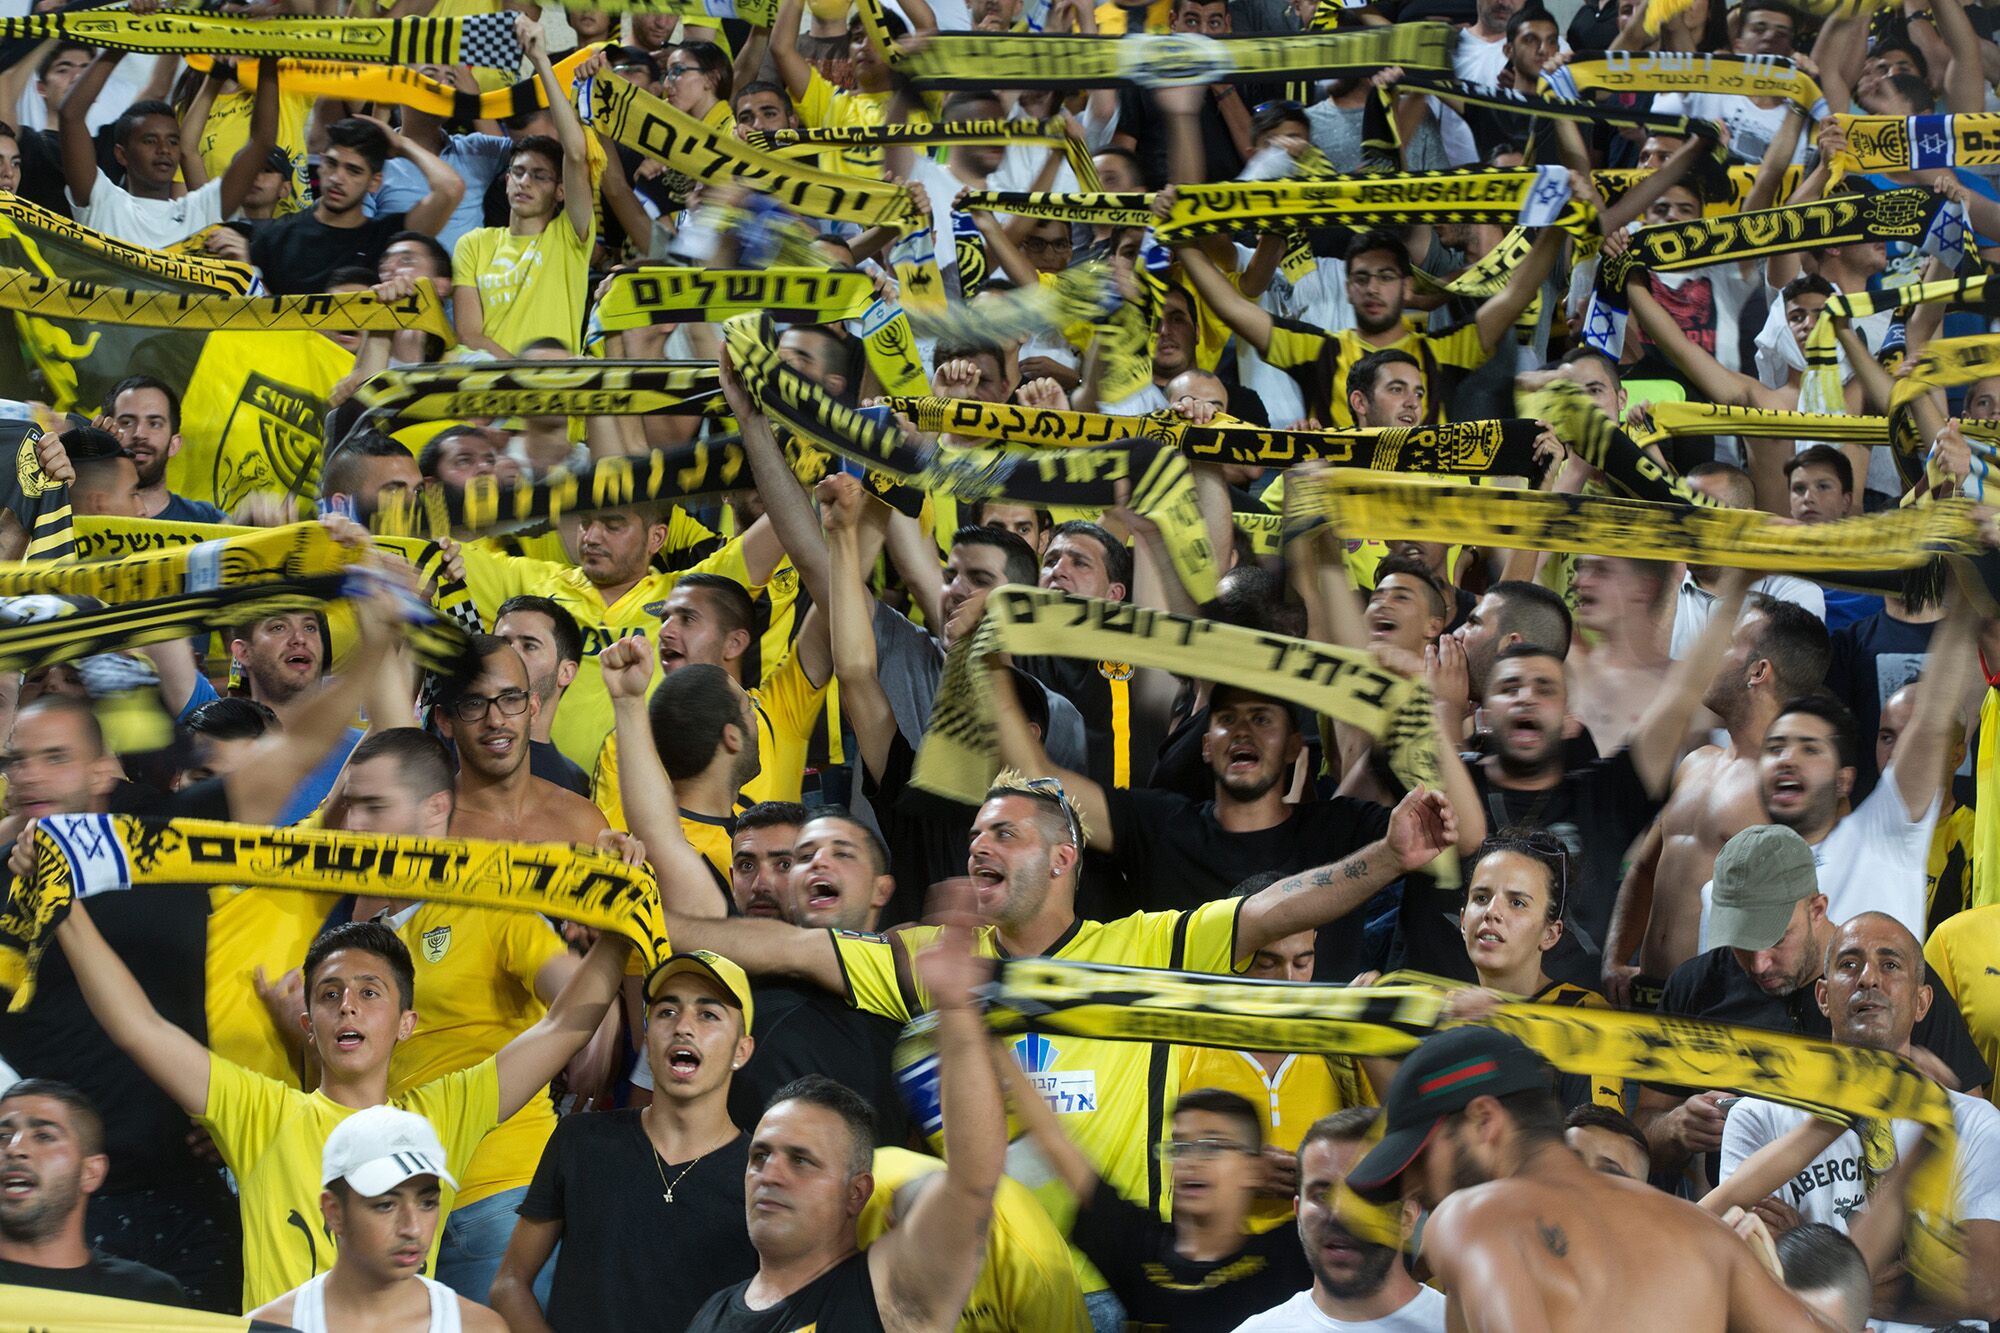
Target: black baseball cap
pixel 1443 1075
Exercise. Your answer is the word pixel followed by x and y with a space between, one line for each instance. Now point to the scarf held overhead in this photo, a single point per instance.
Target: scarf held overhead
pixel 484 40
pixel 56 298
pixel 1537 197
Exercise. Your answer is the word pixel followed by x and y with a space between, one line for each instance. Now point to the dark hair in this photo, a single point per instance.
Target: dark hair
pixel 688 712
pixel 1734 478
pixel 351 275
pixel 80 709
pixel 763 86
pixel 47 62
pixel 1901 42
pixel 483 648
pixel 878 851
pixel 635 55
pixel 1807 284
pixel 1042 520
pixel 360 136
pixel 1529 14
pixel 551 344
pixel 128 120
pixel 1526 649
pixel 708 57
pixel 542 144
pixel 84 1116
pixel 341 469
pixel 1831 711
pixel 422 762
pixel 1914 90
pixel 1585 352
pixel 963 98
pixel 1250 596
pixel 1409 567
pixel 1117 558
pixel 821 1091
pixel 1536 1113
pixel 1361 376
pixel 88 444
pixel 1034 700
pixel 563 631
pixel 1018 556
pixel 1592 1116
pixel 1825 455
pixel 370 937
pixel 1220 696
pixel 1545 849
pixel 1131 157
pixel 1749 7
pixel 1536 613
pixel 1350 1125
pixel 1385 240
pixel 774 814
pixel 1221 1101
pixel 1269 115
pixel 438 253
pixel 133 383
pixel 1794 641
pixel 729 599
pixel 1816 1257
pixel 231 719
pixel 432 453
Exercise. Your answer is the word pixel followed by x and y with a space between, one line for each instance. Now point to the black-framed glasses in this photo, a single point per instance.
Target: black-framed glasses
pixel 473 707
pixel 1052 789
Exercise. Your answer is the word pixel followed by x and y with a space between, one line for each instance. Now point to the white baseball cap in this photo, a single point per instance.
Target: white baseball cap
pixel 376 1149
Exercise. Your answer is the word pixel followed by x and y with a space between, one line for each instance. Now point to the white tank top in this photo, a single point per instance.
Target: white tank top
pixel 309 1307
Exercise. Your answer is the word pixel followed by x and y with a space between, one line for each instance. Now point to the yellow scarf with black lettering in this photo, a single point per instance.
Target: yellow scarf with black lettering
pixel 485 40
pixel 456 390
pixel 1919 143
pixel 1582 426
pixel 1052 132
pixel 1686 72
pixel 1488 195
pixel 958 756
pixel 77 856
pixel 1822 347
pixel 396 85
pixel 54 298
pixel 1945 363
pixel 1673 420
pixel 645 296
pixel 1092 208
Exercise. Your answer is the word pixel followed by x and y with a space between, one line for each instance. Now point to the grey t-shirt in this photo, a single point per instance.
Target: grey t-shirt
pixel 1336 131
pixel 909 663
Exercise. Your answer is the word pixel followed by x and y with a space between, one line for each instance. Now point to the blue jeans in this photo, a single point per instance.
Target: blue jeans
pixel 475 1240
pixel 1106 1314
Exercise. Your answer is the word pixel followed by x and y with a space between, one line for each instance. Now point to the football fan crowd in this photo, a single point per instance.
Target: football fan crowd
pixel 1638 542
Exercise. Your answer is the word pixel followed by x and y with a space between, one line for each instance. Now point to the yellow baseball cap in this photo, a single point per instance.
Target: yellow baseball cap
pixel 714 966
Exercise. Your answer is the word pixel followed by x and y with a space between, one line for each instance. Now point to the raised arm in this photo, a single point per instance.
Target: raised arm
pixel 1039 1123
pixel 1021 749
pixel 242 170
pixel 528 1062
pixel 846 510
pixel 579 200
pixel 1422 827
pixel 1656 741
pixel 1498 312
pixel 1648 188
pixel 1250 321
pixel 924 1268
pixel 1965 75
pixel 194 172
pixel 764 948
pixel 1710 378
pixel 447 187
pixel 79 149
pixel 785 502
pixel 175 1061
pixel 1921 751
pixel 644 789
pixel 792 67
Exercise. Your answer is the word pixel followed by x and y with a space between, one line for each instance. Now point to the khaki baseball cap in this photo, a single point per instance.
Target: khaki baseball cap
pixel 1760 875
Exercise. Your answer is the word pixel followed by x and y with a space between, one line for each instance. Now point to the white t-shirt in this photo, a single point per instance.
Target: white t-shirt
pixel 1424 1314
pixel 1148 399
pixel 1751 127
pixel 1697 604
pixel 1875 860
pixel 1476 60
pixel 1830 1190
pixel 158 223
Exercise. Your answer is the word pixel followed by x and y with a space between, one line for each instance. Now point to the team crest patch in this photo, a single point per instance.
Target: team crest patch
pixel 436 941
pixel 1115 670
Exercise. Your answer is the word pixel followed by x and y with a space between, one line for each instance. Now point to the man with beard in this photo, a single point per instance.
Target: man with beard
pixel 1523 1234
pixel 1770 931
pixel 1357 1284
pixel 1378 280
pixel 1873 994
pixel 551 647
pixel 356 473
pixel 51 1161
pixel 499 797
pixel 145 415
pixel 1778 650
pixel 1596 809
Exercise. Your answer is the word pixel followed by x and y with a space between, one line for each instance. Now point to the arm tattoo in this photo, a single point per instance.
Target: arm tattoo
pixel 1553 1237
pixel 1356 868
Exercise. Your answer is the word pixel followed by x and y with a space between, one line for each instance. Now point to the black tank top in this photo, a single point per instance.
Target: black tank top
pixel 840 1300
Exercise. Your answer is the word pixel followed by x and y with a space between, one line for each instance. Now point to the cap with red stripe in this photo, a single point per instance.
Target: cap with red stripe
pixel 1441 1076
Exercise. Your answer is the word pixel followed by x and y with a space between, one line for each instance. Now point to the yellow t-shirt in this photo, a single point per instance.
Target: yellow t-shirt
pixel 1026 1281
pixel 272 1137
pixel 1948 872
pixel 788 705
pixel 1115 21
pixel 1305 1088
pixel 530 287
pixel 825 105
pixel 228 129
pixel 583 719
pixel 476 969
pixel 714 838
pixel 1319 361
pixel 1112 1097
pixel 1964 951
pixel 249 929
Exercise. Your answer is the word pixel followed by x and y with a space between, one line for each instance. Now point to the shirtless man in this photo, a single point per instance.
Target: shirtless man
pixel 498 797
pixel 1777 652
pixel 1474 1134
pixel 1615 679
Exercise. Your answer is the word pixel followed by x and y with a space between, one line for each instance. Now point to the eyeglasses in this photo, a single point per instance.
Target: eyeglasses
pixel 534 174
pixel 1196 1150
pixel 1042 245
pixel 1052 789
pixel 473 707
pixel 675 71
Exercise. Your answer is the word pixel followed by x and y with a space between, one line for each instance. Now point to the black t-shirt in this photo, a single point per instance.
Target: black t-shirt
pixel 1175 855
pixel 297 253
pixel 1713 986
pixel 1180 767
pixel 840 1300
pixel 1159 1289
pixel 549 764
pixel 629 1259
pixel 804 1030
pixel 927 834
pixel 102 1276
pixel 1598 809
pixel 1090 685
pixel 1871 660
pixel 1138 117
